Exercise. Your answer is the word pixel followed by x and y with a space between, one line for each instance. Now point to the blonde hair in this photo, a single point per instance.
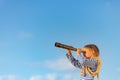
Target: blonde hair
pixel 94 48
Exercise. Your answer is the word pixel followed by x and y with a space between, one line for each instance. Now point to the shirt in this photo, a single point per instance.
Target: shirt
pixel 82 61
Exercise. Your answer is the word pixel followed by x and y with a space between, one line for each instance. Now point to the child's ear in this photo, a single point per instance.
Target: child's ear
pixel 93 51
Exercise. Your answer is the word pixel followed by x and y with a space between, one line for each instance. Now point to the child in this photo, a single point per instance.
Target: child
pixel 87 60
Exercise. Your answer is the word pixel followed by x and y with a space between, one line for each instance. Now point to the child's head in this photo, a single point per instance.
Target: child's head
pixel 90 50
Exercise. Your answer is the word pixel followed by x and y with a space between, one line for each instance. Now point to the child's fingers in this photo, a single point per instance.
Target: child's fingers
pixel 78 51
pixel 68 51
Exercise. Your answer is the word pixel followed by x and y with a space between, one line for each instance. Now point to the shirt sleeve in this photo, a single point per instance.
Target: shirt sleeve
pixel 74 61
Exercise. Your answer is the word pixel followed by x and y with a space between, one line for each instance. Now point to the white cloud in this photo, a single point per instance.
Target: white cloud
pixel 71 76
pixel 59 64
pixel 36 77
pixel 47 76
pixel 68 77
pixel 8 77
pixel 11 77
pixel 1 77
pixel 51 77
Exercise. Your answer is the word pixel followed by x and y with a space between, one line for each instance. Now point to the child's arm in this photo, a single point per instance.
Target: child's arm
pixel 73 60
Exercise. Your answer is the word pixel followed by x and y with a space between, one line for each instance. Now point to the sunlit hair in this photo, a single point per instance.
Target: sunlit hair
pixel 94 48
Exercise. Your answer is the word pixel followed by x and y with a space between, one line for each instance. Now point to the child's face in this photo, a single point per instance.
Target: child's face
pixel 88 52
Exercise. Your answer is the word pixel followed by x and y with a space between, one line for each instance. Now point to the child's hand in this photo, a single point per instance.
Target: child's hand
pixel 78 51
pixel 68 52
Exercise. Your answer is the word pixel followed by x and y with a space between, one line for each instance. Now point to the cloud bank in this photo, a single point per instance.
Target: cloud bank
pixel 58 64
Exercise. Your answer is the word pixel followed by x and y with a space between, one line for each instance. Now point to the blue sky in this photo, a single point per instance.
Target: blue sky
pixel 29 29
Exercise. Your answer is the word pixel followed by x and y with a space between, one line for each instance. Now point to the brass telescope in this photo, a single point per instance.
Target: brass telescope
pixel 65 46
